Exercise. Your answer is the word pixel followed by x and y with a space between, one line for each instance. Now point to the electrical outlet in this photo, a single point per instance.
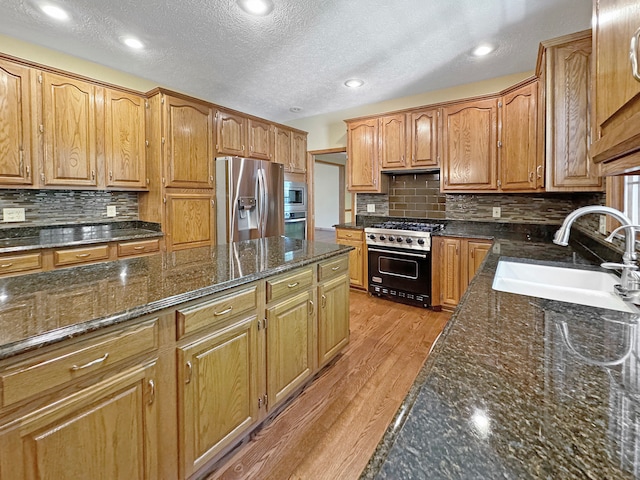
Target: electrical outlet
pixel 497 211
pixel 13 214
pixel 602 227
pixel 371 207
pixel 111 211
pixel 496 248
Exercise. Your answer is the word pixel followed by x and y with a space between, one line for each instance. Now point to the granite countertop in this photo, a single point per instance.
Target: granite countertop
pixel 44 308
pixel 22 239
pixel 521 387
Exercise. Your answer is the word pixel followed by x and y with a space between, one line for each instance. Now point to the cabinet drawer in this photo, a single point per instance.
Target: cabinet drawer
pixel 136 248
pixel 215 311
pixel 349 234
pixel 333 267
pixel 21 263
pixel 283 285
pixel 80 255
pixel 61 366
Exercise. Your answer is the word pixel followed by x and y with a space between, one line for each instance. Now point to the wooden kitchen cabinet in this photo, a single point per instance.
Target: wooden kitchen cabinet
pixel 283 152
pixel 363 148
pixel 617 87
pixel 455 263
pixel 189 219
pixel 18 142
pixel 423 137
pixel 357 257
pixel 333 317
pixel 124 140
pixel 291 150
pixel 566 68
pixel 393 148
pixel 217 391
pixel 469 151
pixel 231 136
pixel 69 116
pixel 520 143
pixel 261 139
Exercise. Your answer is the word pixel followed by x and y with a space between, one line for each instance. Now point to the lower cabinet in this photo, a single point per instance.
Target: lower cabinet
pixel 357 257
pixel 333 318
pixel 455 263
pixel 107 431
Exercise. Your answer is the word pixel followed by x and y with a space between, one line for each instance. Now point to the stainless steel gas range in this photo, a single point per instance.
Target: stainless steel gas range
pixel 400 261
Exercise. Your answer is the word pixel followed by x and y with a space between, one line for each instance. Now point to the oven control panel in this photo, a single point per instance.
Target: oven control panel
pixel 398 239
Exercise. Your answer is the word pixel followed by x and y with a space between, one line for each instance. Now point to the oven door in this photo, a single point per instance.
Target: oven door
pixel 295 228
pixel 400 273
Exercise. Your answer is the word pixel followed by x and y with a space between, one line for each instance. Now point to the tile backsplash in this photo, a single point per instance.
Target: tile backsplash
pixel 57 207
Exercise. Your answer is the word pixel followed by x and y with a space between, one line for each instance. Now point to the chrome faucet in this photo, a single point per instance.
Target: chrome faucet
pixel 629 288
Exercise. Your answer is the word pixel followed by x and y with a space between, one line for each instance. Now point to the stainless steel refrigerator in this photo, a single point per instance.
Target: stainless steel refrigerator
pixel 249 199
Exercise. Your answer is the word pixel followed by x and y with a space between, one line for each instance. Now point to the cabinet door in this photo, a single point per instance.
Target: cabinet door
pixel 289 346
pixel 298 152
pixel 476 250
pixel 188 144
pixel 124 145
pixel 450 280
pixel 469 133
pixel 260 140
pixel 362 156
pixel 568 119
pixel 190 220
pixel 616 22
pixel 69 122
pixel 231 134
pixel 17 131
pixel 393 141
pixel 518 152
pixel 423 138
pixel 283 148
pixel 356 262
pixel 333 318
pixel 104 432
pixel 218 392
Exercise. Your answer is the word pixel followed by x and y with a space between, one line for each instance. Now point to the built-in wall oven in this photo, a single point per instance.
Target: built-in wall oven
pixel 295 210
pixel 295 225
pixel 399 261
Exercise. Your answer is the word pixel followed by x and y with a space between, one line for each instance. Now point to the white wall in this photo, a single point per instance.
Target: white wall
pixel 327 195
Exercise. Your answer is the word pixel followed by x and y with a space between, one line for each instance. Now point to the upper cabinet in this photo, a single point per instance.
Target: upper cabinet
pixel 291 150
pixel 69 129
pixel 124 140
pixel 260 139
pixel 469 157
pixel 188 143
pixel 363 169
pixel 17 130
pixel 423 138
pixel 392 141
pixel 520 144
pixel 616 45
pixel 283 147
pixel 231 130
pixel 566 69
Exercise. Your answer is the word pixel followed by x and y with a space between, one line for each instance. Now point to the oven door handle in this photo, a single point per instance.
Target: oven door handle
pixel 296 220
pixel 396 252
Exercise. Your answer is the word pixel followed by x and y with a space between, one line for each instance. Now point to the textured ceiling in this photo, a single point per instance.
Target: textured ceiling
pixel 301 54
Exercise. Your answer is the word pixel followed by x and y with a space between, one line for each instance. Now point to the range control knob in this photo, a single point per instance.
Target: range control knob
pixel 399 239
pixel 391 239
pixel 420 241
pixel 409 240
pixel 372 236
pixel 382 237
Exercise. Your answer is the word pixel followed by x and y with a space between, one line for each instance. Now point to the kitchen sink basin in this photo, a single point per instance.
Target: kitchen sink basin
pixel 573 285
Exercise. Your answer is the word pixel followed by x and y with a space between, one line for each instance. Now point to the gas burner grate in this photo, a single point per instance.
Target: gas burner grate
pixel 410 226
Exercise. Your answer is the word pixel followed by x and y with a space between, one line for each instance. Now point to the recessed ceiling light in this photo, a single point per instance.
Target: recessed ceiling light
pixel 483 50
pixel 133 43
pixel 295 109
pixel 55 12
pixel 256 7
pixel 354 83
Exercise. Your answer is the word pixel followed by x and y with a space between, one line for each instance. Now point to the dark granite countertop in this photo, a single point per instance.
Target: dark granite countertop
pixel 22 239
pixel 44 308
pixel 521 387
pixel 349 225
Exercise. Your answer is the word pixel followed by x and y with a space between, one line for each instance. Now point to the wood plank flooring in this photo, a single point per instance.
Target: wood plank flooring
pixel 331 430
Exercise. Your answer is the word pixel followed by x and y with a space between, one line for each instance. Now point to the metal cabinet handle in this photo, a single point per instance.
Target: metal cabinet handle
pixel 539 171
pixel 294 284
pixel 633 54
pixel 97 361
pixel 531 176
pixel 324 301
pixel 139 247
pixel 223 312
pixel 189 372
pixel 6 265
pixel 152 391
pixel 335 268
pixel 311 307
pixel 82 255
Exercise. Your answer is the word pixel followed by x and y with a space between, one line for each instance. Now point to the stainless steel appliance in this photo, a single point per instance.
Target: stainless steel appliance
pixel 295 196
pixel 399 255
pixel 295 224
pixel 249 199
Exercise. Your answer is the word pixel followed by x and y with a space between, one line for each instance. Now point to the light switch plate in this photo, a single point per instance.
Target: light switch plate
pixel 497 211
pixel 602 227
pixel 371 207
pixel 13 214
pixel 111 211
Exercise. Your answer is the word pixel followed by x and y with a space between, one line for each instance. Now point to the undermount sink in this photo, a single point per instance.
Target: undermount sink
pixel 573 285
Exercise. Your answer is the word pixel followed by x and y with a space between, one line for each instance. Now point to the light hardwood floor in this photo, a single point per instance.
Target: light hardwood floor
pixel 331 430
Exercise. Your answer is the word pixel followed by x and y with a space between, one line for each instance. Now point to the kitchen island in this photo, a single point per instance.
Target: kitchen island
pixel 521 387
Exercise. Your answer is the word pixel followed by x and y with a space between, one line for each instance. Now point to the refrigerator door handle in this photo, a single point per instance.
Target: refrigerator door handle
pixel 265 202
pixel 260 199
